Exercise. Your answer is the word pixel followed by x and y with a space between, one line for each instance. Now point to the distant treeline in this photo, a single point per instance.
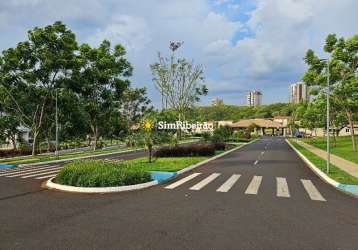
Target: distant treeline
pixel 235 113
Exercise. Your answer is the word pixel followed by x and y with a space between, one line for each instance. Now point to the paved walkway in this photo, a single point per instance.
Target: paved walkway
pixel 348 166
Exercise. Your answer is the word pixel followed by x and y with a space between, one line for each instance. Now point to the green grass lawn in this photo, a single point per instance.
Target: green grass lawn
pixel 335 173
pixel 342 148
pixel 169 164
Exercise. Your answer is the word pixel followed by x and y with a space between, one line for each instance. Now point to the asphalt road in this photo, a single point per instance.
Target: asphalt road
pixel 254 210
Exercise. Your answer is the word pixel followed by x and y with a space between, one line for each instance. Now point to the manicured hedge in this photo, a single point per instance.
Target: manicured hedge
pixel 101 173
pixel 14 152
pixel 200 149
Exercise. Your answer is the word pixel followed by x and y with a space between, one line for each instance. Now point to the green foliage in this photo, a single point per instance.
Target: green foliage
pixel 101 173
pixel 341 72
pixel 222 134
pixel 235 113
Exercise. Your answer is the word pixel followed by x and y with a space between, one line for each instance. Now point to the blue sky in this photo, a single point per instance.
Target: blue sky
pixel 252 44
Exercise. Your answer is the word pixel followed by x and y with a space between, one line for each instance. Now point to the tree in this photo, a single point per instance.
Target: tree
pixel 103 76
pixel 9 129
pixel 179 81
pixel 134 105
pixel 343 72
pixel 30 73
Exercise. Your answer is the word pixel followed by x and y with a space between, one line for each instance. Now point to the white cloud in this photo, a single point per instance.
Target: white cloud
pixel 130 31
pixel 264 51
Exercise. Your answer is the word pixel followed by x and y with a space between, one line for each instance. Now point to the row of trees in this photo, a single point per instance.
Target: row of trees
pixel 91 85
pixel 341 71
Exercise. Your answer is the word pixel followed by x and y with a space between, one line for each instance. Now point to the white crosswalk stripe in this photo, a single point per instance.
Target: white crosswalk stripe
pixel 205 182
pixel 282 187
pixel 312 191
pixel 36 172
pixel 228 184
pixel 182 181
pixel 254 185
pixel 15 173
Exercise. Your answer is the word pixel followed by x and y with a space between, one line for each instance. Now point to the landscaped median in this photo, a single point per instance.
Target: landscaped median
pixel 336 177
pixel 105 176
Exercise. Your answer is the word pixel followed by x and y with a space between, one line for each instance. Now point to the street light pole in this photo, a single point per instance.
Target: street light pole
pixel 328 118
pixel 56 152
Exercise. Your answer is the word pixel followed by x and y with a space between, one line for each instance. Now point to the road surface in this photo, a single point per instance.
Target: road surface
pixel 259 197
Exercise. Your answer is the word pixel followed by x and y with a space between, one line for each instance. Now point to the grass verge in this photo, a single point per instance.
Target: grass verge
pixel 335 173
pixel 342 147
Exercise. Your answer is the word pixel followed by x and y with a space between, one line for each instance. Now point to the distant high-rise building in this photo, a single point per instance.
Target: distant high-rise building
pixel 217 101
pixel 298 92
pixel 254 98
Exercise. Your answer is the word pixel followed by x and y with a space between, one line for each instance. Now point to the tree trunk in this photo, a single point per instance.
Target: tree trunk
pixel 350 120
pixel 34 143
pixel 150 154
pixel 13 141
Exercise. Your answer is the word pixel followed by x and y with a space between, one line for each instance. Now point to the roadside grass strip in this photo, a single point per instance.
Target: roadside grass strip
pixel 336 177
pixel 312 191
pixel 228 184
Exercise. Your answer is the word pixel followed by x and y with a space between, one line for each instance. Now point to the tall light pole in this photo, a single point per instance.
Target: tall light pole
pixel 328 159
pixel 328 118
pixel 56 152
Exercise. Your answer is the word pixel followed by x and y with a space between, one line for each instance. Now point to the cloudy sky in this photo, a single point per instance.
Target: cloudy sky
pixel 243 44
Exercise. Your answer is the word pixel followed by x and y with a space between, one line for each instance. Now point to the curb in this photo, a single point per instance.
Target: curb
pixel 96 190
pixel 52 185
pixel 350 189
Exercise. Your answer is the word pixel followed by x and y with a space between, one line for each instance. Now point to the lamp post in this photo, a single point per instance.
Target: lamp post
pixel 328 159
pixel 56 151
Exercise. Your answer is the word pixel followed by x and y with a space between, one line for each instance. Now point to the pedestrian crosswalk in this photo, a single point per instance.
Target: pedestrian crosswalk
pixel 33 172
pixel 253 188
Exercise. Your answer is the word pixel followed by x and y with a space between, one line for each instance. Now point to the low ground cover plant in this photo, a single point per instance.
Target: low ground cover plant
pixel 101 173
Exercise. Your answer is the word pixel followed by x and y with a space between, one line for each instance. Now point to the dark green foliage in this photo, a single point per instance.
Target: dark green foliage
pixel 235 113
pixel 222 134
pixel 202 149
pixel 101 173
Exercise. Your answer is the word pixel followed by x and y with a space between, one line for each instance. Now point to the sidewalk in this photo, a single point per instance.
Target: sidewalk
pixel 347 166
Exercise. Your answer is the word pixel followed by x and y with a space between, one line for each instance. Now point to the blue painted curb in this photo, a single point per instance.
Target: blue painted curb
pixel 7 166
pixel 161 176
pixel 349 188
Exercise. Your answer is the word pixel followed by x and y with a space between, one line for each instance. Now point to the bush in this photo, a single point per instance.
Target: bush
pixel 222 134
pixel 200 149
pixel 101 173
pixel 13 153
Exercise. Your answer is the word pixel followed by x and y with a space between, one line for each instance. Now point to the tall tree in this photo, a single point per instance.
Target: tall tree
pixel 343 74
pixel 180 81
pixel 103 77
pixel 30 73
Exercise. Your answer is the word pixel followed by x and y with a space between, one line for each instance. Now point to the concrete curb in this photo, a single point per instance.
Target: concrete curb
pixel 350 189
pixel 96 190
pixel 52 185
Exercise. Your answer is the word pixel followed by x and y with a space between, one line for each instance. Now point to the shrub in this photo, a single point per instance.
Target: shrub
pixel 101 173
pixel 200 149
pixel 14 152
pixel 222 134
